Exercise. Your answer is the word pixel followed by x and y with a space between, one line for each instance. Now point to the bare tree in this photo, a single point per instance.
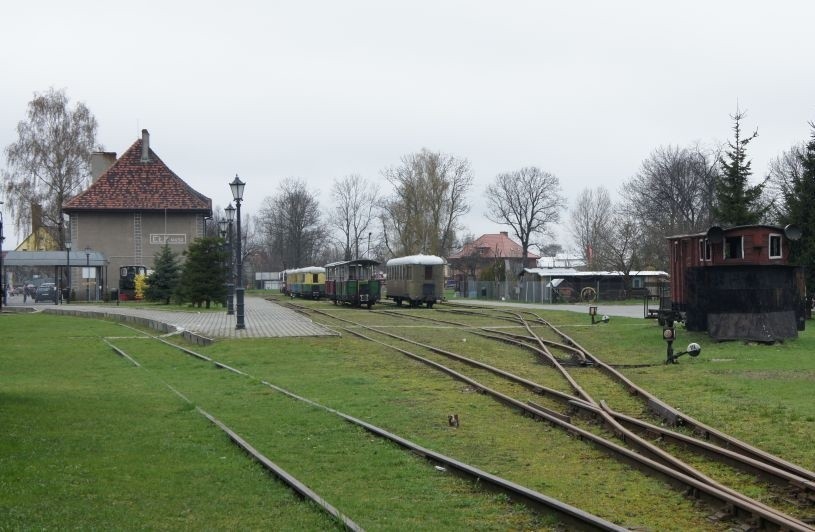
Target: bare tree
pixel 429 199
pixel 672 193
pixel 527 200
pixel 590 219
pixel 291 224
pixel 619 246
pixel 50 162
pixel 354 201
pixel 784 171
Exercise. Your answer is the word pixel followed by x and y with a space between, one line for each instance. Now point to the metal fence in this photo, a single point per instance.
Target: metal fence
pixel 526 292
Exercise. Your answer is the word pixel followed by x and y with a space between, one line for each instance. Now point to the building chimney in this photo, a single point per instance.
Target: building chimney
pixel 100 162
pixel 145 146
pixel 505 233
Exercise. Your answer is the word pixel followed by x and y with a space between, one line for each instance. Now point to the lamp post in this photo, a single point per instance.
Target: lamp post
pixel 68 256
pixel 230 280
pixel 237 194
pixel 88 271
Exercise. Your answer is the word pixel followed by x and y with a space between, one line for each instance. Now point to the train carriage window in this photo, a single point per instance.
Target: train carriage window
pixel 704 249
pixel 775 246
pixel 428 273
pixel 734 247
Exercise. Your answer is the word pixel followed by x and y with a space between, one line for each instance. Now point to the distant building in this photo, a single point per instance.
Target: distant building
pixel 134 206
pixel 485 252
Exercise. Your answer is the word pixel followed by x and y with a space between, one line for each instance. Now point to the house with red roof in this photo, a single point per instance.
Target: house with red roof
pixel 134 205
pixel 486 251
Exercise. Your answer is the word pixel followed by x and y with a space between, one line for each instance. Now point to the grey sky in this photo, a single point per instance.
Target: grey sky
pixel 319 90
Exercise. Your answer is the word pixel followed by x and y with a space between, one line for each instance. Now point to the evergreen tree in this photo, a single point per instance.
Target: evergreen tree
pixel 737 203
pixel 203 275
pixel 800 210
pixel 164 279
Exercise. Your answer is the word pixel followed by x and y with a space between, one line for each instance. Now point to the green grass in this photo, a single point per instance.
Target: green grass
pixel 96 443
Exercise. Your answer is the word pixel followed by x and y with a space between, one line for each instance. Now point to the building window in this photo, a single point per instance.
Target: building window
pixel 734 247
pixel 636 282
pixel 775 246
pixel 704 249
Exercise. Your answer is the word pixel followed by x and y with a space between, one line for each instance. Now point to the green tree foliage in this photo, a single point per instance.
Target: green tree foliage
pixel 50 162
pixel 738 203
pixel 204 273
pixel 164 279
pixel 800 210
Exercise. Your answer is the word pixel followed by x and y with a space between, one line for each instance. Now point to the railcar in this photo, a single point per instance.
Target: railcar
pixel 127 281
pixel 416 279
pixel 353 282
pixel 308 282
pixel 737 283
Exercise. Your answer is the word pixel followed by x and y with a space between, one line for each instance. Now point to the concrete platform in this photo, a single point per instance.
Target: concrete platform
pixel 263 319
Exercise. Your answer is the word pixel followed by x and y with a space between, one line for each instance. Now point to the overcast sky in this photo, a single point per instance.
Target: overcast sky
pixel 319 90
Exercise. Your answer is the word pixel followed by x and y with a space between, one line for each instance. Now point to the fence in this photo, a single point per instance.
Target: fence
pixel 526 292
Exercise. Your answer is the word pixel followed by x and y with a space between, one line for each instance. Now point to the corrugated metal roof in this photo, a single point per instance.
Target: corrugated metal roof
pixel 54 258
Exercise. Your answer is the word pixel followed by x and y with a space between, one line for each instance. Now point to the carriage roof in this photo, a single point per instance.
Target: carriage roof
pixel 308 269
pixel 424 260
pixel 355 262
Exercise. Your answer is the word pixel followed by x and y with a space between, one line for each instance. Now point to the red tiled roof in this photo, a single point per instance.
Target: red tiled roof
pixel 493 245
pixel 130 184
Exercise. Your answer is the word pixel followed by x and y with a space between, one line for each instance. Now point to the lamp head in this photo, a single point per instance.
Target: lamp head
pixel 230 213
pixel 223 225
pixel 237 188
pixel 68 245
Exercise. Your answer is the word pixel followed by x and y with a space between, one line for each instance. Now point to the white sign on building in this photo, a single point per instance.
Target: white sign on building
pixel 159 239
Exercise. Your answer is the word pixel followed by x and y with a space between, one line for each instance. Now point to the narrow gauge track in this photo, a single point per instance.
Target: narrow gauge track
pixel 661 462
pixel 284 476
pixel 755 460
pixel 713 442
pixel 577 518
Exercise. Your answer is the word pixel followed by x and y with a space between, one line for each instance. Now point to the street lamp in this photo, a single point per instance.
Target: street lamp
pixel 88 270
pixel 68 255
pixel 230 281
pixel 237 194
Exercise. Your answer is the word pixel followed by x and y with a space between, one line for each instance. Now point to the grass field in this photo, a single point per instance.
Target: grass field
pixel 91 441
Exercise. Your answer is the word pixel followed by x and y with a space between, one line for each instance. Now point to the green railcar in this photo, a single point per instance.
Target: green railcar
pixel 353 282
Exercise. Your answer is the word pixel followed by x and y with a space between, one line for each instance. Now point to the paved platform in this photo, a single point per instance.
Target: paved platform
pixel 263 319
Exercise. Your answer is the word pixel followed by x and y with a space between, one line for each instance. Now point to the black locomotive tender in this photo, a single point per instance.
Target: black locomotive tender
pixel 737 283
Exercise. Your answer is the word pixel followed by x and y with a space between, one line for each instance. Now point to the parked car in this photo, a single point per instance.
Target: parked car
pixel 45 292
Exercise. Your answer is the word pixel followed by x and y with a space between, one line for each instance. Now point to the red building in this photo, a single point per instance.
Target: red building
pixel 737 283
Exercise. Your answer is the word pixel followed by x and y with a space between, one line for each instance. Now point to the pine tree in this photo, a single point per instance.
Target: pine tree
pixel 203 276
pixel 800 203
pixel 737 203
pixel 164 279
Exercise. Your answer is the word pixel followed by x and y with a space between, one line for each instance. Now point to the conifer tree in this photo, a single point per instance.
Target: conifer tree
pixel 800 208
pixel 203 275
pixel 164 279
pixel 738 203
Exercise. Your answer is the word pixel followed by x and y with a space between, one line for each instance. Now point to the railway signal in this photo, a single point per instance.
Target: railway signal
pixel 593 314
pixel 669 335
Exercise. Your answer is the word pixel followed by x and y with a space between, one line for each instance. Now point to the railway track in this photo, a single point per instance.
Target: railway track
pixel 635 448
pixel 568 514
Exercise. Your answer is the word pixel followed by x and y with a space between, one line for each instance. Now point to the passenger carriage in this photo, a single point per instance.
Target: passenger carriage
pixel 416 279
pixel 308 282
pixel 352 282
pixel 737 283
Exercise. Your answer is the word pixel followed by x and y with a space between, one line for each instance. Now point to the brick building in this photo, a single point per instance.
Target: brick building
pixel 134 206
